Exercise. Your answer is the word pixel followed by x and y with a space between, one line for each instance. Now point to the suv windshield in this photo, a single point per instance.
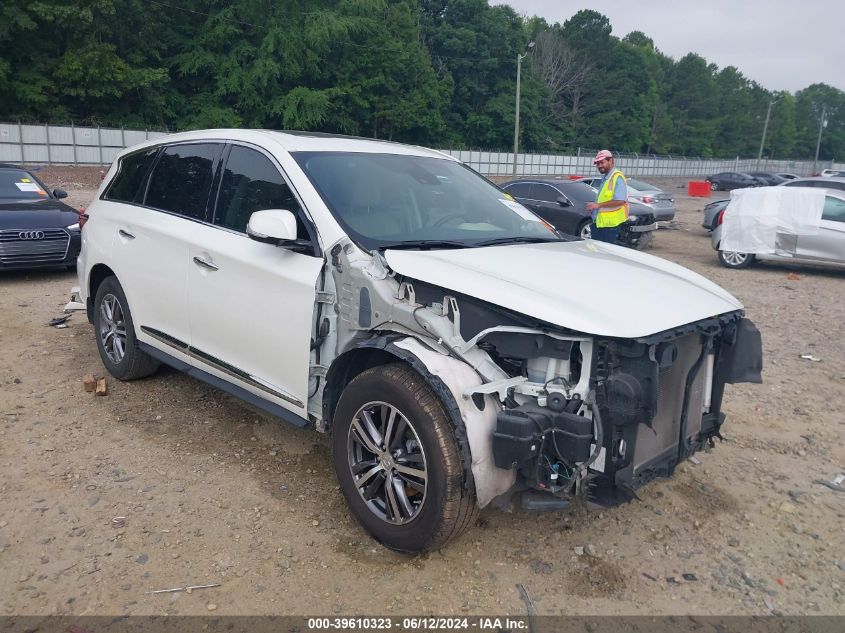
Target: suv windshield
pixel 384 200
pixel 20 185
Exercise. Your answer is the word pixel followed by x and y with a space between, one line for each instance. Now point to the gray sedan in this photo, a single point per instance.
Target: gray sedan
pixel 660 203
pixel 827 247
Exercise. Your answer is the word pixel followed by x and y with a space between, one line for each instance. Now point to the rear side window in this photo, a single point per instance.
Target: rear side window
pixel 519 190
pixel 181 180
pixel 131 171
pixel 251 182
pixel 834 209
pixel 546 193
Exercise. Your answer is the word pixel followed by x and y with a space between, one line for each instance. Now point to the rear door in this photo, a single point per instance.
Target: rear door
pixel 829 244
pixel 251 304
pixel 150 248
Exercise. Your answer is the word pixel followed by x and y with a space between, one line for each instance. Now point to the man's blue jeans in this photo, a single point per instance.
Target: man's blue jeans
pixel 605 234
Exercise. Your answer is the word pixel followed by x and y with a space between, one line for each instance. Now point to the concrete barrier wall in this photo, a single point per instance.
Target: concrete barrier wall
pixel 57 144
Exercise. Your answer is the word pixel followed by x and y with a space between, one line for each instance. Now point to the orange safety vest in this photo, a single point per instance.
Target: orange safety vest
pixel 614 216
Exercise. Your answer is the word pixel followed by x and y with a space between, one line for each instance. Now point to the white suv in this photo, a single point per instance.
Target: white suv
pixel 455 347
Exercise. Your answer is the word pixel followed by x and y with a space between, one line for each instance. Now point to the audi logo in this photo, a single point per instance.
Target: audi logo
pixel 31 235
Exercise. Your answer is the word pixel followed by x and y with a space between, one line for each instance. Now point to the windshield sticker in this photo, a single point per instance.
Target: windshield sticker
pixel 28 186
pixel 524 213
pixel 25 180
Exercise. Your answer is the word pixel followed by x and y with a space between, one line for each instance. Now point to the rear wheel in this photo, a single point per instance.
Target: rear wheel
pixel 115 331
pixel 585 230
pixel 397 461
pixel 732 259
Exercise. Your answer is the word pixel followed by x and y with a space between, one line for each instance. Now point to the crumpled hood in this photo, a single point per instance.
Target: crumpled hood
pixel 583 285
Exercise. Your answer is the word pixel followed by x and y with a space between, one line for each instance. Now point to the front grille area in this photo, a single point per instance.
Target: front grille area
pixel 33 246
pixel 665 431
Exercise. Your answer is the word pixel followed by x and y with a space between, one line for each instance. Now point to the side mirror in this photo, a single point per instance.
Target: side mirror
pixel 275 226
pixel 59 193
pixel 564 201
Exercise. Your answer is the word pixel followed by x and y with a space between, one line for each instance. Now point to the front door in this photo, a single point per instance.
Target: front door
pixel 251 305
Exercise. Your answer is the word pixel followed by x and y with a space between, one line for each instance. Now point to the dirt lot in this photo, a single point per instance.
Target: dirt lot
pixel 213 492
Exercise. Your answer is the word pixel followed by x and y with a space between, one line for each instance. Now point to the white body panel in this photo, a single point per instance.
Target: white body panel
pixel 586 286
pixel 254 312
pixel 152 267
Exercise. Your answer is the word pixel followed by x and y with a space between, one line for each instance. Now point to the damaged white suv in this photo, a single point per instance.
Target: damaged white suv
pixel 455 347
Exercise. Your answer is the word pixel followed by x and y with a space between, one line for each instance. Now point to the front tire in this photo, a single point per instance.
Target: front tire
pixel 714 186
pixel 397 461
pixel 115 332
pixel 732 259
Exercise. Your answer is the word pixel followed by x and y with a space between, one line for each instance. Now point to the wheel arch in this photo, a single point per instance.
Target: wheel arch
pixel 382 350
pixel 98 274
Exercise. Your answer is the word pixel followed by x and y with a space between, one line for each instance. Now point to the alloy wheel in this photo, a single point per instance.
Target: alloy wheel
pixel 112 328
pixel 733 258
pixel 387 462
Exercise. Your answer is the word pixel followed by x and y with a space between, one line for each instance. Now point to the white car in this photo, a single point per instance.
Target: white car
pixel 456 347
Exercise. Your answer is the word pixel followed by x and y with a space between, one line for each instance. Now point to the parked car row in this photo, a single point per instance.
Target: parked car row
pixel 563 204
pixel 728 180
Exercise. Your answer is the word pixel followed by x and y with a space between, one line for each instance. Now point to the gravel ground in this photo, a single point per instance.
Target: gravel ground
pixel 213 492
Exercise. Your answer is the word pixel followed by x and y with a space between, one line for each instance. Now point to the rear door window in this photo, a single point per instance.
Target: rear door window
pixel 131 172
pixel 251 182
pixel 519 190
pixel 546 193
pixel 181 179
pixel 834 209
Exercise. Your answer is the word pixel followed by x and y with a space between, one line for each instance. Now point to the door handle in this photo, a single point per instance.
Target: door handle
pixel 199 261
pixel 126 234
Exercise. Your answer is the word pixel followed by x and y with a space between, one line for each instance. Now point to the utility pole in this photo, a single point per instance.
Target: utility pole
pixel 765 127
pixel 819 141
pixel 519 59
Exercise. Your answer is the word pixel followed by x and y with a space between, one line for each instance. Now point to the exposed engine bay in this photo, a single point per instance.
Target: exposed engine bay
pixel 541 408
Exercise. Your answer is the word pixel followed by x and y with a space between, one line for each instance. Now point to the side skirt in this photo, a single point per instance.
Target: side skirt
pixel 239 392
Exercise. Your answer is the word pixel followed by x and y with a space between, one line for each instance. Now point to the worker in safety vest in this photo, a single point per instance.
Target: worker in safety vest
pixel 611 206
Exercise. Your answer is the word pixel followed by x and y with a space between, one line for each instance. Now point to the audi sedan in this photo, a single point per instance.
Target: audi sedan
pixel 37 230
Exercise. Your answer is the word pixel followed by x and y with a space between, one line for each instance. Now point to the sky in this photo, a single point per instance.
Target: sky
pixel 780 44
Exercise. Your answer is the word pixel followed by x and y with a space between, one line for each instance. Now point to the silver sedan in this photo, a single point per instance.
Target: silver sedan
pixel 827 247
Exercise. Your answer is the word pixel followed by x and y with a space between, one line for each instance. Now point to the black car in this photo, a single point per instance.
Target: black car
pixel 769 179
pixel 563 204
pixel 36 229
pixel 727 180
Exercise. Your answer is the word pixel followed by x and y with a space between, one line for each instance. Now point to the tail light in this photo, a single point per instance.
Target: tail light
pixel 83 218
pixel 720 217
pixel 648 199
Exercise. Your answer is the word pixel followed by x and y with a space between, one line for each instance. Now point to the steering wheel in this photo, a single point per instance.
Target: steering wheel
pixel 446 218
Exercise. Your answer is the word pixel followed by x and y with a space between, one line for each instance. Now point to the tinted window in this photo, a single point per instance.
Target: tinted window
pixel 250 183
pixel 130 174
pixel 834 209
pixel 519 190
pixel 546 193
pixel 20 185
pixel 181 179
pixel 578 191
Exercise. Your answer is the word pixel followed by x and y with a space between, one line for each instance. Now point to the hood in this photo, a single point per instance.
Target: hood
pixel 582 285
pixel 36 214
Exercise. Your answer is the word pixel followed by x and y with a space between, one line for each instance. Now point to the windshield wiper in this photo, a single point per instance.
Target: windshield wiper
pixel 517 240
pixel 411 244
